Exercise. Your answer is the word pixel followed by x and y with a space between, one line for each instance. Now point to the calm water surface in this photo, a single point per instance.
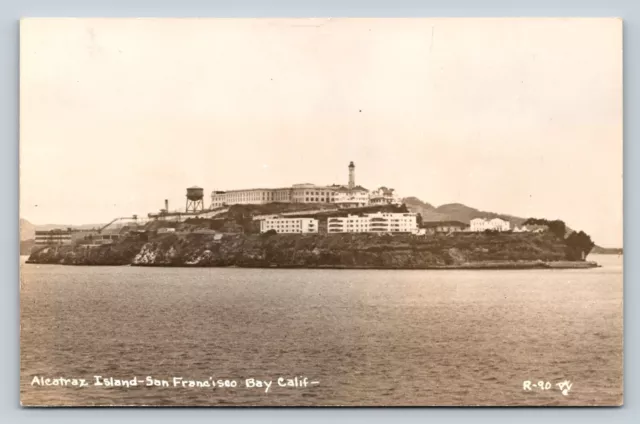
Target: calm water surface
pixel 368 337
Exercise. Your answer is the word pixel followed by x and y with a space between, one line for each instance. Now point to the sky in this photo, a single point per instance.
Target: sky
pixel 516 116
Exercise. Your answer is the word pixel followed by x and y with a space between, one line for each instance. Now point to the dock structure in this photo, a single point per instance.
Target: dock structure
pixel 181 216
pixel 88 236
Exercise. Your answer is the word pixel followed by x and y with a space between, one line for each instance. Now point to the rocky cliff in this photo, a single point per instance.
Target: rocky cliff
pixel 116 254
pixel 320 250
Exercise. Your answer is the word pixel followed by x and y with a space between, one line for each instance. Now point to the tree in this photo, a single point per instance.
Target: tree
pixel 579 245
pixel 419 220
pixel 557 226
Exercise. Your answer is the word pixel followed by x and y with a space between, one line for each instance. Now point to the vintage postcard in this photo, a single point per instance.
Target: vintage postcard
pixel 321 212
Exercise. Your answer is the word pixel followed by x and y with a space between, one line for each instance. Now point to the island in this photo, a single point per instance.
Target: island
pixel 233 238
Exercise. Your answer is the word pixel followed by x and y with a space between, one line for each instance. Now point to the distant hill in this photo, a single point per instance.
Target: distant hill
pixel 427 210
pixel 454 212
pixel 607 250
pixel 463 213
pixel 27 230
pixel 414 201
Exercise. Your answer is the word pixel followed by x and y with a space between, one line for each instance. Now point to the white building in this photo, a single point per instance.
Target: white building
pixel 384 196
pixel 393 222
pixel 379 222
pixel 477 225
pixel 500 224
pixel 349 224
pixel 289 225
pixel 356 197
pixel 495 224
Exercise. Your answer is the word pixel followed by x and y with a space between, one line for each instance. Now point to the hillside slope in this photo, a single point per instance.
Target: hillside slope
pixel 27 230
pixel 463 213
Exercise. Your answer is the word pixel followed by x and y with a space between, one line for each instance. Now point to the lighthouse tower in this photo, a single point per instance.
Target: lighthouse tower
pixel 352 176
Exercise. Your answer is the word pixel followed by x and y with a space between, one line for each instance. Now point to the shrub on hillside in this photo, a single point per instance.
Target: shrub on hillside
pixel 557 227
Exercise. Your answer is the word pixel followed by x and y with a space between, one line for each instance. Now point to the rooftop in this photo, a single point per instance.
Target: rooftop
pixel 345 189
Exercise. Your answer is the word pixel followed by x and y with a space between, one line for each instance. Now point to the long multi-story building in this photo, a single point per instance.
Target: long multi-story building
pixel 393 222
pixel 289 225
pixel 348 224
pixel 350 195
pixel 310 193
pixel 445 227
pixel 77 236
pixel 380 222
pixel 253 196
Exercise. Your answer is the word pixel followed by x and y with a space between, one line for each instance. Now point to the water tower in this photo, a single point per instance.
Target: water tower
pixel 195 202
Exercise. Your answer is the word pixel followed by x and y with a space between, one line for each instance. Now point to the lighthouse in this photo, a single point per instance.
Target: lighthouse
pixel 352 175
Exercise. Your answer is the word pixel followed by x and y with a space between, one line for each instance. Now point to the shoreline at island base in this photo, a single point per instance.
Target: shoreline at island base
pixel 524 265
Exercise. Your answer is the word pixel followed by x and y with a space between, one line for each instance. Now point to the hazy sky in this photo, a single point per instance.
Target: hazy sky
pixel 518 116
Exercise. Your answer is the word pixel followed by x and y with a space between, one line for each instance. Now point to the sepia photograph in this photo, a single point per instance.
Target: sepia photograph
pixel 335 212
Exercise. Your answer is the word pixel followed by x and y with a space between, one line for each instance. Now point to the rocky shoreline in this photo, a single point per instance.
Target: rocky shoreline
pixel 325 251
pixel 470 266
